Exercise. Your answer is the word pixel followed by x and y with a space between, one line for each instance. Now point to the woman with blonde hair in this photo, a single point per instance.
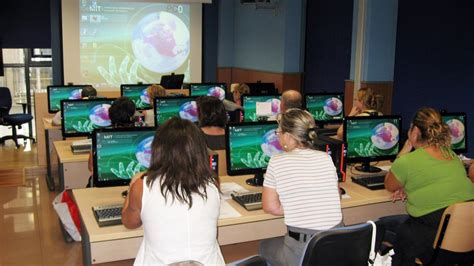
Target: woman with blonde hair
pixel 431 178
pixel 153 91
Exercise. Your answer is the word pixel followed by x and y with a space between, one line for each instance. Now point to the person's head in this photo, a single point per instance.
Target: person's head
pixel 211 112
pixel 154 91
pixel 88 92
pixel 180 161
pixel 122 112
pixel 296 129
pixel 290 99
pixel 240 90
pixel 367 99
pixel 428 128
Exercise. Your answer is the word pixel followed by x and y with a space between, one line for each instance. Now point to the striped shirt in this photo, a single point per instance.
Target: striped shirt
pixel 306 183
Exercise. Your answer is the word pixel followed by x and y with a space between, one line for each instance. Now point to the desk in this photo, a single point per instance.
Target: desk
pixel 51 134
pixel 73 168
pixel 118 243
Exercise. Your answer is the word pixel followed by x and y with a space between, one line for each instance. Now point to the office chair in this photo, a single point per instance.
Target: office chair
pixel 13 120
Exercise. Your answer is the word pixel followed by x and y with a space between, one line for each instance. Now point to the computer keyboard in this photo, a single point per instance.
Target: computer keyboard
pixel 250 201
pixel 108 214
pixel 372 181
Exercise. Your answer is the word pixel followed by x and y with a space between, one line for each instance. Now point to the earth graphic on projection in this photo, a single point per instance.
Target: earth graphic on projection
pixel 75 94
pixel 275 106
pixel 144 96
pixel 188 110
pixel 457 130
pixel 99 115
pixel 270 145
pixel 385 136
pixel 143 151
pixel 161 42
pixel 217 92
pixel 332 106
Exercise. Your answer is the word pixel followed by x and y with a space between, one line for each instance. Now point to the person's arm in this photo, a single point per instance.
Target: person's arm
pixel 132 206
pixel 391 182
pixel 90 164
pixel 471 172
pixel 340 132
pixel 56 119
pixel 271 202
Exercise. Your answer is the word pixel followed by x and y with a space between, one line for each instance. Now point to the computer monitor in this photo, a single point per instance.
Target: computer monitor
pixel 168 107
pixel 210 89
pixel 62 92
pixel 371 138
pixel 81 117
pixel 249 103
pixel 325 107
pixel 138 94
pixel 249 147
pixel 173 81
pixel 457 126
pixel 120 153
pixel 262 88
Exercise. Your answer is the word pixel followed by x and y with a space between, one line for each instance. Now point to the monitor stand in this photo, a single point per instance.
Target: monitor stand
pixel 367 168
pixel 256 181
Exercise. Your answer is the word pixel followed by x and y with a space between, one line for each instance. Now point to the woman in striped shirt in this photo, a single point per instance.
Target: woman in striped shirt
pixel 302 185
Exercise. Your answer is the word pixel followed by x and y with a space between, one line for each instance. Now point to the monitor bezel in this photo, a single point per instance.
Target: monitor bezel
pixel 155 110
pixel 95 176
pixel 78 134
pixel 324 94
pixel 246 171
pixel 360 159
pixel 216 84
pixel 254 95
pixel 459 151
pixel 48 90
pixel 122 87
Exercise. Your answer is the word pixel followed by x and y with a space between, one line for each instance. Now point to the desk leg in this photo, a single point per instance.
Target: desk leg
pixel 86 246
pixel 49 175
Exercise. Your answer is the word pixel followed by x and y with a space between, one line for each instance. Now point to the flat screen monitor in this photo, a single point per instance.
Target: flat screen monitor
pixel 120 153
pixel 457 126
pixel 371 138
pixel 249 103
pixel 262 88
pixel 138 94
pixel 62 92
pixel 173 81
pixel 81 117
pixel 249 147
pixel 325 107
pixel 208 89
pixel 168 107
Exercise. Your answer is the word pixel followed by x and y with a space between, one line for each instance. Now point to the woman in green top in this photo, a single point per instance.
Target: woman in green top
pixel 431 178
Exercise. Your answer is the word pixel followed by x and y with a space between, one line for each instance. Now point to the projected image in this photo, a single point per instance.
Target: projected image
pixel 120 155
pixel 139 95
pixel 325 107
pixel 252 146
pixel 130 42
pixel 166 108
pixel 250 106
pixel 85 116
pixel 56 94
pixel 458 133
pixel 367 138
pixel 208 90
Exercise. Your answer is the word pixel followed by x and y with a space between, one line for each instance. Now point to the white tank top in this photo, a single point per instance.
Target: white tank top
pixel 174 232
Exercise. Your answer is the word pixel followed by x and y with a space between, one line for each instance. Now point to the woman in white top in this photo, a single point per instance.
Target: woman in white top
pixel 302 185
pixel 177 200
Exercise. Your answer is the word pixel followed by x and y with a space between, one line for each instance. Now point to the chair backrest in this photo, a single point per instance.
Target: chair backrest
pixel 456 229
pixel 348 245
pixel 5 100
pixel 222 167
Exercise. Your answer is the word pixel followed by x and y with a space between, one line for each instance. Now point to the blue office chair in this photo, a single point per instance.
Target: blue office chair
pixel 13 120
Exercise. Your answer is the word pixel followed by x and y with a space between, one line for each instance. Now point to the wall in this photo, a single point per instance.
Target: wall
pixel 434 60
pixel 209 41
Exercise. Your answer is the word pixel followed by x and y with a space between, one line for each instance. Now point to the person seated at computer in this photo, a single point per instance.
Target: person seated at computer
pixel 367 103
pixel 432 178
pixel 241 89
pixel 153 92
pixel 212 121
pixel 87 92
pixel 290 99
pixel 301 183
pixel 177 200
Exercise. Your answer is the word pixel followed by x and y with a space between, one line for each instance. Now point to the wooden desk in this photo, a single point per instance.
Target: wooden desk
pixel 73 168
pixel 118 243
pixel 51 134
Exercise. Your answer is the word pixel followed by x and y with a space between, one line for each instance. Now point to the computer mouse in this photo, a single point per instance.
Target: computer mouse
pixel 125 193
pixel 342 191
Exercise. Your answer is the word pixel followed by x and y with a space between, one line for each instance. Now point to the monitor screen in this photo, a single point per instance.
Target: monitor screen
pixel 120 153
pixel 138 94
pixel 168 107
pixel 210 89
pixel 81 117
pixel 457 126
pixel 325 107
pixel 249 103
pixel 58 93
pixel 372 138
pixel 173 81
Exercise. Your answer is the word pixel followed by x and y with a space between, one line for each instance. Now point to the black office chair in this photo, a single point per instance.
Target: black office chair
pixel 13 120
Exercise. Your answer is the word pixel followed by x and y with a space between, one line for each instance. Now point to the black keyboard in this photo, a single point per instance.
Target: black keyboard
pixel 108 214
pixel 371 181
pixel 250 201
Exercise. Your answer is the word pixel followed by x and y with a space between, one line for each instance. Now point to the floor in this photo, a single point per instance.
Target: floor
pixel 29 227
